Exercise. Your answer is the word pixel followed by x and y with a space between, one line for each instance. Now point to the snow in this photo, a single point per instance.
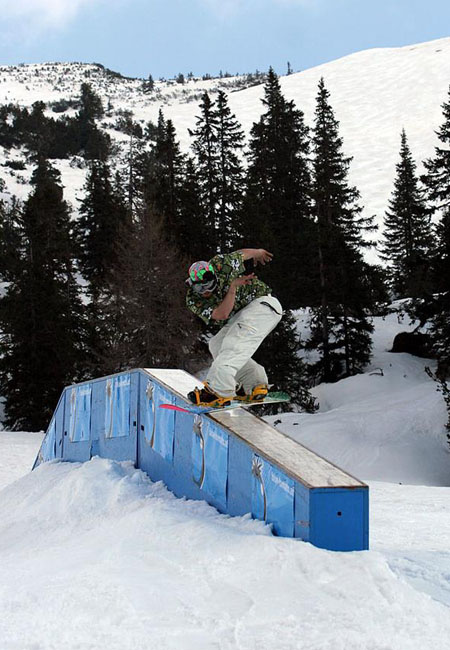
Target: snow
pixel 17 453
pixel 95 556
pixel 388 427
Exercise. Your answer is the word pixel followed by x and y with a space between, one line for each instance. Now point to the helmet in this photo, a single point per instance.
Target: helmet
pixel 202 277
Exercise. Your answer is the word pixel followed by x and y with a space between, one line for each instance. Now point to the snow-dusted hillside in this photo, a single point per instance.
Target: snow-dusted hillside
pixel 375 93
pixel 55 82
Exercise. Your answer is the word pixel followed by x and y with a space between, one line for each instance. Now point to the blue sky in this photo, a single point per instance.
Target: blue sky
pixel 164 37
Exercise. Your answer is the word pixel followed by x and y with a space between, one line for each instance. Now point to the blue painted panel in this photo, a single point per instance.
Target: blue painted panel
pixel 80 413
pixel 48 447
pixel 150 459
pixel 210 459
pixel 301 512
pixel 183 482
pixel 98 400
pixel 59 425
pixel 239 477
pixel 75 451
pixel 272 496
pixel 177 475
pixel 123 446
pixel 339 519
pixel 158 424
pixel 117 406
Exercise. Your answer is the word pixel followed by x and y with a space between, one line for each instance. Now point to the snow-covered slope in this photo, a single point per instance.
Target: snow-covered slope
pixel 387 424
pixel 375 93
pixel 98 557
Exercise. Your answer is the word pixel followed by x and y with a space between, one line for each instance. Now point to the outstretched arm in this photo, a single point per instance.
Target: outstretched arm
pixel 258 254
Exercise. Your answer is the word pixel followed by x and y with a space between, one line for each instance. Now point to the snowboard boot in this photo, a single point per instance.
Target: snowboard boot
pixel 258 394
pixel 207 397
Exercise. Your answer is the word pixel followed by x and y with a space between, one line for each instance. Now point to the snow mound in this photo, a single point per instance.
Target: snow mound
pixel 98 556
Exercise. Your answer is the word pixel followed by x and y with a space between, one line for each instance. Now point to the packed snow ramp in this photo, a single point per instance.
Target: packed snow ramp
pixel 232 459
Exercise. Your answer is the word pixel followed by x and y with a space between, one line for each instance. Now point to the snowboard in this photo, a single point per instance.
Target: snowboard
pixel 271 398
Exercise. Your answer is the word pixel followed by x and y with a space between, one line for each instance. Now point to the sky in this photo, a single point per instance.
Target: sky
pixel 166 37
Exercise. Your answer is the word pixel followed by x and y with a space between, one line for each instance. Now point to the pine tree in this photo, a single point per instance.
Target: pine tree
pixel 144 303
pixel 149 85
pixel 9 239
pixel 279 353
pixel 217 145
pixel 40 313
pixel 166 178
pixel 340 325
pixel 407 230
pixel 91 141
pixel 277 207
pixel 103 221
pixel 191 240
pixel 103 215
pixel 437 181
pixel 277 216
pixel 91 106
pixel 230 141
pixel 437 178
pixel 132 183
pixel 206 155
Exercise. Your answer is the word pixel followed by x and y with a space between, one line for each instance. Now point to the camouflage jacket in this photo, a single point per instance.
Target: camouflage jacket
pixel 227 267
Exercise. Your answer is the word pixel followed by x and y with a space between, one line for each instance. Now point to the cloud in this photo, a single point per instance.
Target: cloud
pixel 28 18
pixel 51 13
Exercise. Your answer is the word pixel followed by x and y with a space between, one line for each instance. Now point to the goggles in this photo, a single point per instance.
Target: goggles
pixel 202 278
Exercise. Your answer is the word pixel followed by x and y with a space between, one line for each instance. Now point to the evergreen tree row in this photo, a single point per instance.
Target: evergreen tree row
pixel 133 230
pixel 106 292
pixel 56 138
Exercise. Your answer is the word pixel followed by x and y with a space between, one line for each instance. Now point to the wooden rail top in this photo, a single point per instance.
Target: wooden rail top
pixel 297 461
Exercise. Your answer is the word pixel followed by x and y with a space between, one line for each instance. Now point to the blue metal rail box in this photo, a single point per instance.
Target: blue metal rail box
pixel 232 459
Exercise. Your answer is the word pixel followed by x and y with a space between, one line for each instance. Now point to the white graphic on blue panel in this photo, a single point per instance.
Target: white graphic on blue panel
pixel 210 459
pixel 272 496
pixel 80 413
pixel 198 453
pixel 117 406
pixel 159 424
pixel 150 414
pixel 48 448
pixel 259 498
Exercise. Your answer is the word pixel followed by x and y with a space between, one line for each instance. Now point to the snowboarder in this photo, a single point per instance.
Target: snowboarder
pixel 227 291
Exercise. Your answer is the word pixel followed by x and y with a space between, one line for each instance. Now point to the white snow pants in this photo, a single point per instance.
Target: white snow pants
pixel 233 346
